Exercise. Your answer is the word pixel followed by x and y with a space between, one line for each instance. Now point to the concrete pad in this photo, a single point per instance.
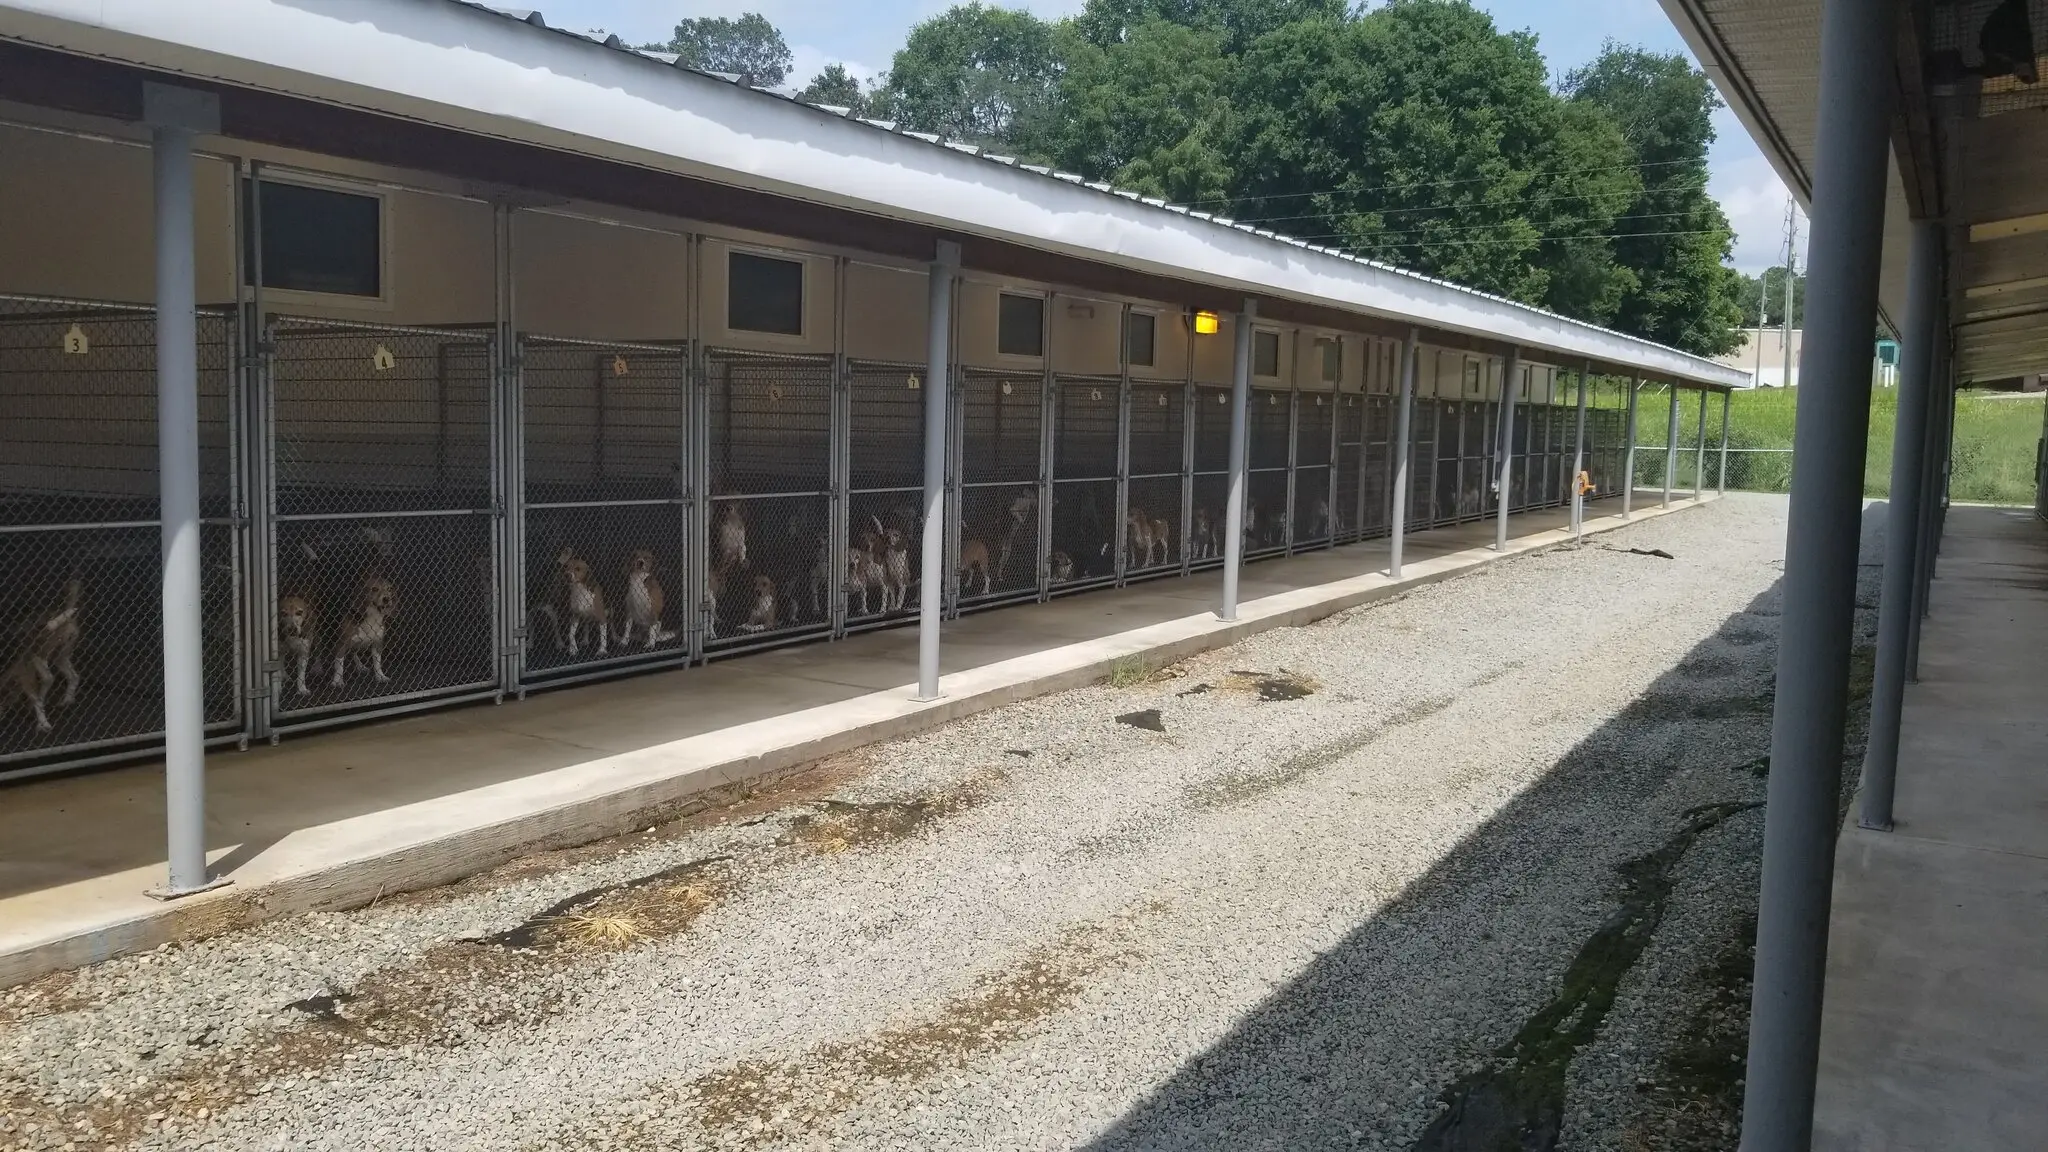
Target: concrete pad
pixel 334 819
pixel 1934 1034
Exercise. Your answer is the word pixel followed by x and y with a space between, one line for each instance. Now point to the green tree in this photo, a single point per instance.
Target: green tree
pixel 837 87
pixel 977 73
pixel 1420 134
pixel 1675 237
pixel 1236 22
pixel 1148 112
pixel 1769 290
pixel 749 46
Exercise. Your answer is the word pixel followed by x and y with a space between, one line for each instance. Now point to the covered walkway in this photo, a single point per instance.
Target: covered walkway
pixel 333 820
pixel 1936 1021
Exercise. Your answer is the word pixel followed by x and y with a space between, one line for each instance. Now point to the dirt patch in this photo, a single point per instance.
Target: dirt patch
pixel 1281 685
pixel 744 803
pixel 1694 1103
pixel 662 904
pixel 1237 787
pixel 837 825
pixel 51 995
pixel 792 1098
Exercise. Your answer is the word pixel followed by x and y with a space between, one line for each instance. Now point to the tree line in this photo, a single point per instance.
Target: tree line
pixel 1416 133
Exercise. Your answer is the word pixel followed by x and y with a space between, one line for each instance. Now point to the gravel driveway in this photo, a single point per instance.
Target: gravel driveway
pixel 1313 910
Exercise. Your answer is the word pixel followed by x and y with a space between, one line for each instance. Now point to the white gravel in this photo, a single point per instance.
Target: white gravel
pixel 1279 924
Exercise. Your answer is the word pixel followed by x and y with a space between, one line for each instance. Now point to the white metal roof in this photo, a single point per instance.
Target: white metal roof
pixel 505 74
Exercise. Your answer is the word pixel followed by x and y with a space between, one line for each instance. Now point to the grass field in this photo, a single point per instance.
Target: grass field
pixel 1996 437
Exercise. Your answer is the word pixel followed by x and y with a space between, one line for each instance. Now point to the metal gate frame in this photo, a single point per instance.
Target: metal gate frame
pixel 233 727
pixel 523 676
pixel 272 720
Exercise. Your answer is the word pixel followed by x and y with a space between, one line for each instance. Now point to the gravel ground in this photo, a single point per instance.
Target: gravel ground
pixel 1278 923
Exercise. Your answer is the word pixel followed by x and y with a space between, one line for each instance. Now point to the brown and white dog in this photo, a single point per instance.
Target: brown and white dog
pixel 1202 542
pixel 43 653
pixel 297 633
pixel 864 574
pixel 731 548
pixel 365 630
pixel 644 602
pixel 1138 527
pixel 1062 566
pixel 714 591
pixel 583 603
pixel 895 557
pixel 973 559
pixel 763 615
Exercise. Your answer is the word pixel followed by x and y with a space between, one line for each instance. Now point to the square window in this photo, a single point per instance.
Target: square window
pixel 316 240
pixel 1020 325
pixel 764 294
pixel 1141 339
pixel 1333 360
pixel 1266 354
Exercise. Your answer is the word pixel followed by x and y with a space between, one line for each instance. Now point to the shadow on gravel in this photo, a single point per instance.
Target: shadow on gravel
pixel 1308 1067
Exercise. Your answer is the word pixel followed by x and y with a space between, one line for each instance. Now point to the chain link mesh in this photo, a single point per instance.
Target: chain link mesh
pixel 1001 425
pixel 1085 427
pixel 79 535
pixel 881 561
pixel 604 435
pixel 385 565
pixel 1348 514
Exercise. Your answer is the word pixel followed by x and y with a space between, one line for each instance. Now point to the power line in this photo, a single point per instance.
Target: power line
pixel 1442 183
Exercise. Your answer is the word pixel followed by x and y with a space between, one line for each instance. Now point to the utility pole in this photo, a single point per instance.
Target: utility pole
pixel 1791 275
pixel 1763 303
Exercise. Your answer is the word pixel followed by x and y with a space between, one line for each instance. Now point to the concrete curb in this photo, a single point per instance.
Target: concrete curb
pixel 356 861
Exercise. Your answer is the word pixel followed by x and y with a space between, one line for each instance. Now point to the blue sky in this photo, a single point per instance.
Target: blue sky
pixel 864 35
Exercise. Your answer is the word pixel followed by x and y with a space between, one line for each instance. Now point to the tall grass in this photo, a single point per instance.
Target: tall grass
pixel 1996 439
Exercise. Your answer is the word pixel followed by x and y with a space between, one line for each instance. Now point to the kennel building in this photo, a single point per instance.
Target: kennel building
pixel 485 412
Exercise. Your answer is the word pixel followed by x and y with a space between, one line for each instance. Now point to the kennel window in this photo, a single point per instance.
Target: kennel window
pixel 764 294
pixel 1141 339
pixel 1266 354
pixel 317 240
pixel 1471 377
pixel 1332 355
pixel 1020 325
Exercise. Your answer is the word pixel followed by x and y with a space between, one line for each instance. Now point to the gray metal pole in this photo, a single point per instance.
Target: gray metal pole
pixel 1510 369
pixel 1852 150
pixel 1240 400
pixel 1628 464
pixel 1401 479
pixel 1699 460
pixel 1721 484
pixel 938 355
pixel 176 115
pixel 1579 458
pixel 1942 384
pixel 1902 527
pixel 1671 448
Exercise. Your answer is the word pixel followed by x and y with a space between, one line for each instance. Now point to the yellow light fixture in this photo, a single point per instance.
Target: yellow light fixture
pixel 1207 324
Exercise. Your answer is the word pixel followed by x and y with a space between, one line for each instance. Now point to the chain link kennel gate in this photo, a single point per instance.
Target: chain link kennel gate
pixel 601 543
pixel 998 469
pixel 380 461
pixel 1156 490
pixel 882 559
pixel 80 533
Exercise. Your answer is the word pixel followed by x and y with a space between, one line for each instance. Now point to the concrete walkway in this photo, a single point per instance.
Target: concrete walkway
pixel 335 819
pixel 1935 1031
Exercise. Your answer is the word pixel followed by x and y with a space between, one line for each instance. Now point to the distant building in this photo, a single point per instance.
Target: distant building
pixel 1884 359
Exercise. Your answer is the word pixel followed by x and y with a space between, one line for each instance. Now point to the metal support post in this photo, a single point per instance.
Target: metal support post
pixel 1902 527
pixel 1399 512
pixel 1671 448
pixel 1628 463
pixel 1240 398
pixel 1721 482
pixel 1510 369
pixel 1699 460
pixel 938 357
pixel 1852 152
pixel 175 116
pixel 1940 385
pixel 1579 459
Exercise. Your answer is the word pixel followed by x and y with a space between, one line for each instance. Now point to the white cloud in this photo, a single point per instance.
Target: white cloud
pixel 806 61
pixel 1752 196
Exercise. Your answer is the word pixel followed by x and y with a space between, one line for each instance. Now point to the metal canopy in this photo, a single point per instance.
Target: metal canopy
pixel 1960 154
pixel 475 70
